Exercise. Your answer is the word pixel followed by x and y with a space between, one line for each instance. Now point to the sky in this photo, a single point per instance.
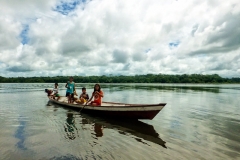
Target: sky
pixel 102 37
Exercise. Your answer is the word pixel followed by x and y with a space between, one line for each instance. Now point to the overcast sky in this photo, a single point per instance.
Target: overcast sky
pixel 128 37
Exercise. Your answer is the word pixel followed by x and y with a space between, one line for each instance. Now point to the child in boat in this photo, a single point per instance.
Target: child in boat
pixel 84 94
pixel 55 92
pixel 97 94
pixel 83 97
pixel 75 98
pixel 70 85
pixel 49 92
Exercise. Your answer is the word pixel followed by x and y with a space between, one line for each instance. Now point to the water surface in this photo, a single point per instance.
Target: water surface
pixel 198 122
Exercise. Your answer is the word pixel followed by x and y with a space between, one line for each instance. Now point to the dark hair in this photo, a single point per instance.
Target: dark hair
pixel 46 90
pixel 71 77
pixel 56 84
pixel 83 88
pixel 98 89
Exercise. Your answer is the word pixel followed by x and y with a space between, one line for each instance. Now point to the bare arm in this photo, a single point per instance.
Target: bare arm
pixel 100 93
pixel 90 99
pixel 87 97
pixel 80 96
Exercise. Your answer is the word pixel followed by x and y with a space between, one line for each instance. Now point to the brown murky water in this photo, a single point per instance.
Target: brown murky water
pixel 198 122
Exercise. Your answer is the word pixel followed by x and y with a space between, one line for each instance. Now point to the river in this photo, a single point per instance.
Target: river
pixel 200 121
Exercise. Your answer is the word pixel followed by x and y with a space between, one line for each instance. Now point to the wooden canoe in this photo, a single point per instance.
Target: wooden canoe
pixel 116 110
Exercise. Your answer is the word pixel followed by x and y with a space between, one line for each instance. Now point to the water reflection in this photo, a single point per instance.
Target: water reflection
pixel 95 126
pixel 21 135
pixel 70 127
pixel 175 88
pixel 98 129
pixel 140 130
pixel 67 157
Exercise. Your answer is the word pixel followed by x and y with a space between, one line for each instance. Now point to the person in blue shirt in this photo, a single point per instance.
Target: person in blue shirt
pixel 70 85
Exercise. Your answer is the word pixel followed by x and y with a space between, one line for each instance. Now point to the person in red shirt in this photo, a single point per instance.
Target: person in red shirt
pixel 97 95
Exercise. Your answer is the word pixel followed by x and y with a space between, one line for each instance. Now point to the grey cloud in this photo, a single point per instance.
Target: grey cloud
pixel 219 66
pixel 139 56
pixel 120 56
pixel 168 27
pixel 228 36
pixel 211 50
pixel 223 62
pixel 22 68
pixel 41 50
pixel 194 29
pixel 74 48
pixel 126 67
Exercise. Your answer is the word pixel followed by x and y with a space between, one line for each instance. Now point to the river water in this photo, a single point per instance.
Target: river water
pixel 199 122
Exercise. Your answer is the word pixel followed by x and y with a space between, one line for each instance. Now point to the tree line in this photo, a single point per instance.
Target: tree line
pixel 148 78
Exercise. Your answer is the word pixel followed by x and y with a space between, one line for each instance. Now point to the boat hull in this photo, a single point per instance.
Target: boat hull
pixel 125 114
pixel 117 110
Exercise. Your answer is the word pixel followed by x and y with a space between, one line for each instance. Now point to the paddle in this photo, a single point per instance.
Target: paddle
pixel 83 107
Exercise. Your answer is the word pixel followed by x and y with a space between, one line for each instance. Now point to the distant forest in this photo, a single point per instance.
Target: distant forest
pixel 149 78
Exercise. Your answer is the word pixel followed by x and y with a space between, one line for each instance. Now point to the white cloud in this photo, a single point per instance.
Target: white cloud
pixel 119 37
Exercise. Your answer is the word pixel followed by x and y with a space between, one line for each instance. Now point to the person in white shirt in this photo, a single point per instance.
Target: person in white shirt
pixel 55 92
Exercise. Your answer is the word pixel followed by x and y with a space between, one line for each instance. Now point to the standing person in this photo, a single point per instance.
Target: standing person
pixel 70 85
pixel 55 92
pixel 97 94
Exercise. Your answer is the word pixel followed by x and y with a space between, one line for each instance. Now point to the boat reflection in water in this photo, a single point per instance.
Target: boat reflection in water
pixel 140 130
pixel 70 127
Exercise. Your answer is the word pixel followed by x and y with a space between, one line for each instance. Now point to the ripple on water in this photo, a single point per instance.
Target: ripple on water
pixel 201 123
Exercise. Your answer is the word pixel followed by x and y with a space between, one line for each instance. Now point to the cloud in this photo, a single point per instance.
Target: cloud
pixel 74 37
pixel 9 31
pixel 23 68
pixel 120 56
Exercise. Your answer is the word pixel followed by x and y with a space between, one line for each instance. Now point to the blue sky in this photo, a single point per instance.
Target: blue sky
pixel 65 7
pixel 174 44
pixel 75 37
pixel 24 34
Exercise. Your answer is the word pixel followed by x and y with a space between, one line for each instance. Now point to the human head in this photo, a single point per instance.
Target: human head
pixel 46 90
pixel 56 84
pixel 71 79
pixel 83 89
pixel 97 87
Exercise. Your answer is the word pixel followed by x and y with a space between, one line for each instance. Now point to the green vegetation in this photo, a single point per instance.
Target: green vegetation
pixel 149 78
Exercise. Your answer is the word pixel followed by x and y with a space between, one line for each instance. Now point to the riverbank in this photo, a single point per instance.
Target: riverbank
pixel 149 78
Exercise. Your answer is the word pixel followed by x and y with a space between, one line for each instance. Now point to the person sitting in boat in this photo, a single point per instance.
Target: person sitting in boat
pixel 70 85
pixel 84 94
pixel 75 96
pixel 97 94
pixel 83 98
pixel 55 92
pixel 49 92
